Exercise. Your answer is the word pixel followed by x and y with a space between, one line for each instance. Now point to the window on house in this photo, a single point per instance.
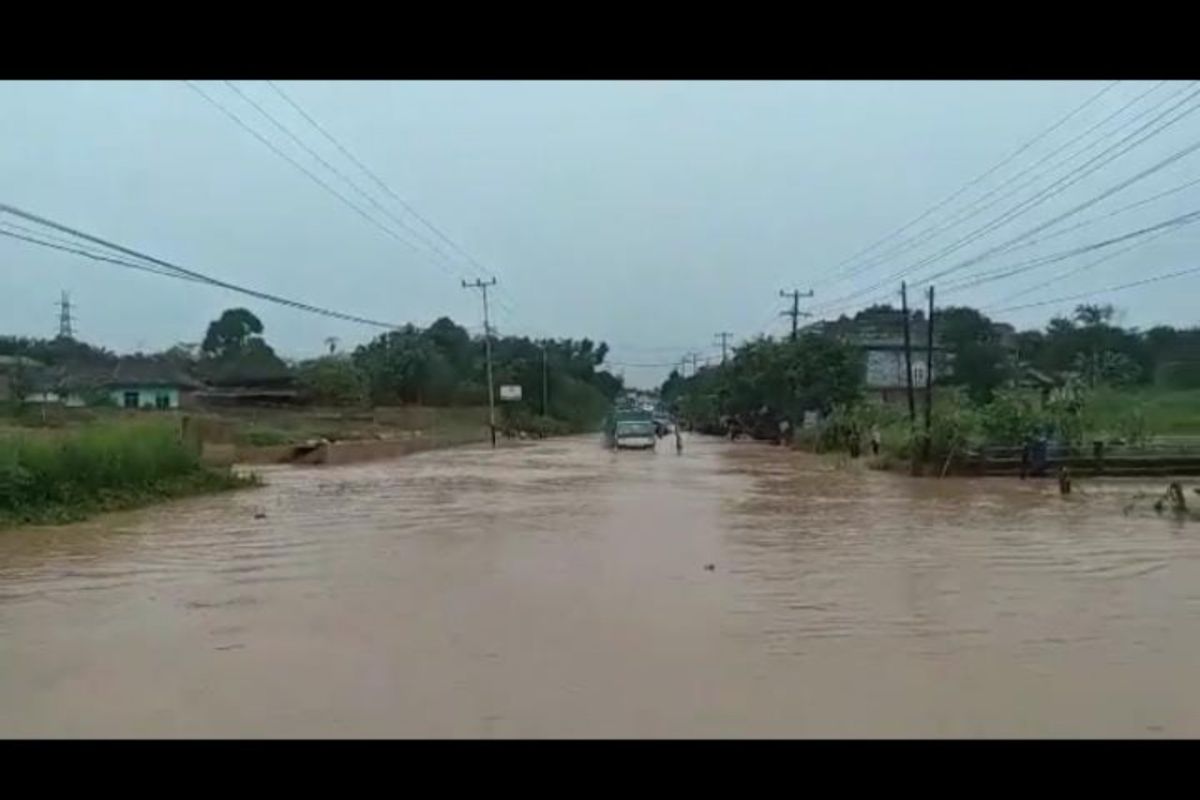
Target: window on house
pixel 131 400
pixel 162 400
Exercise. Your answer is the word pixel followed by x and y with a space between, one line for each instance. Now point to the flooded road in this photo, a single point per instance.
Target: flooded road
pixel 559 589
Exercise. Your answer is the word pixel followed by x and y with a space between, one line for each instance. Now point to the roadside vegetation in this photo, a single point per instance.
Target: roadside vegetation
pixel 53 476
pixel 564 385
pixel 1081 379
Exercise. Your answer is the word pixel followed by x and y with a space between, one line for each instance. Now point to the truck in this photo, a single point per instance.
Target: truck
pixel 631 429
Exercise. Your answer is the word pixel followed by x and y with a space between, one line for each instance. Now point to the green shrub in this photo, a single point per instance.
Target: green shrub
pixel 54 475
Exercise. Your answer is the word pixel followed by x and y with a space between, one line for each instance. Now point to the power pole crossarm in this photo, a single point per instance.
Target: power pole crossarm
pixel 724 338
pixel 482 286
pixel 795 313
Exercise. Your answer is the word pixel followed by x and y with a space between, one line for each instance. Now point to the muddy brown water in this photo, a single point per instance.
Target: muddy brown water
pixel 561 590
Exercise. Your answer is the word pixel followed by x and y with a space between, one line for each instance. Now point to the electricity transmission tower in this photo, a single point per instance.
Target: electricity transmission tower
pixel 65 331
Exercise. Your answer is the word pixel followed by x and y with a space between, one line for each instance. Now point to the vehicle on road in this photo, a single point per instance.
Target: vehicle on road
pixel 631 429
pixel 636 434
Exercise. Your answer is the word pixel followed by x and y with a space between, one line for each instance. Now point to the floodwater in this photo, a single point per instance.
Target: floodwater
pixel 561 590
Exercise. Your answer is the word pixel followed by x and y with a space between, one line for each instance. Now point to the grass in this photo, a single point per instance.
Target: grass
pixel 65 475
pixel 1166 412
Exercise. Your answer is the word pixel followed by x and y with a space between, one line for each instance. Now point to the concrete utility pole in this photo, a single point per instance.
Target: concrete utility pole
pixel 912 403
pixel 545 384
pixel 795 313
pixel 724 337
pixel 482 286
pixel 64 317
pixel 929 380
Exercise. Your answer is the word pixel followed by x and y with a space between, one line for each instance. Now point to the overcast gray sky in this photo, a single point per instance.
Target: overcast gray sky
pixel 646 214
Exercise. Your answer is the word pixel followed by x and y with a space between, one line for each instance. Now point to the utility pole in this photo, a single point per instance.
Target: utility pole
pixel 64 317
pixel 912 403
pixel 795 313
pixel 929 380
pixel 545 384
pixel 695 357
pixel 724 337
pixel 482 286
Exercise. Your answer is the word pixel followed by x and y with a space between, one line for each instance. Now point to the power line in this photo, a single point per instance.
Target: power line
pixel 379 181
pixel 178 271
pixel 97 257
pixel 312 176
pixel 1085 266
pixel 484 271
pixel 1005 272
pixel 1106 290
pixel 973 208
pixel 1109 215
pixel 1074 210
pixel 979 178
pixel 71 246
pixel 1056 187
pixel 346 179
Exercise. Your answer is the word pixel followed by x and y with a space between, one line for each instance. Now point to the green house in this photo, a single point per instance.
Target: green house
pixel 151 384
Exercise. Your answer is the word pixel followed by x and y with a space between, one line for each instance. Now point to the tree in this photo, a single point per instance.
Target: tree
pixel 396 365
pixel 1093 315
pixel 768 380
pixel 230 333
pixel 255 364
pixel 331 380
pixel 980 361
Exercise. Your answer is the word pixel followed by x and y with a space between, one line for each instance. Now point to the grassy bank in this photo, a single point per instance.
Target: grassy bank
pixel 1164 412
pixel 60 475
pixel 1132 417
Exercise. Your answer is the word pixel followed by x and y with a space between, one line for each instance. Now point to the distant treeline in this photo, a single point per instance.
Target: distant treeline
pixel 768 380
pixel 442 365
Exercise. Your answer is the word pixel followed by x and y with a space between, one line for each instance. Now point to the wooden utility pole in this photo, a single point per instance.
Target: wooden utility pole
pixel 929 381
pixel 795 312
pixel 482 286
pixel 724 337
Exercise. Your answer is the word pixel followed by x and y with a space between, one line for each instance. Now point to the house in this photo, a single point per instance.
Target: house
pixel 885 367
pixel 144 382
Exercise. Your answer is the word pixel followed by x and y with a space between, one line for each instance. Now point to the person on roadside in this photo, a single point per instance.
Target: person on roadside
pixel 678 440
pixel 876 440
